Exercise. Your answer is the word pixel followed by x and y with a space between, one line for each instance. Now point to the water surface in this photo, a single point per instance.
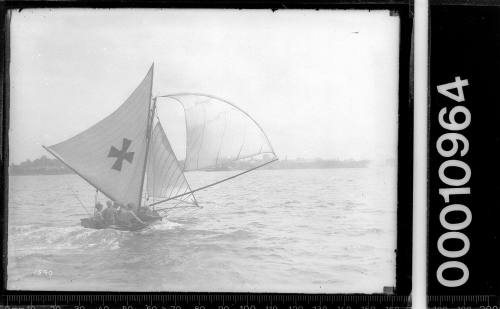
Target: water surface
pixel 318 231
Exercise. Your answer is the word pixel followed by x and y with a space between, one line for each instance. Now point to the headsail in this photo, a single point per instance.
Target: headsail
pixel 165 177
pixel 111 154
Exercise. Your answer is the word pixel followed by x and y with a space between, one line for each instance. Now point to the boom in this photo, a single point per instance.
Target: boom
pixel 212 184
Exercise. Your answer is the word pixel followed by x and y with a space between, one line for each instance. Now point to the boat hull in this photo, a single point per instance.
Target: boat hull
pixel 91 223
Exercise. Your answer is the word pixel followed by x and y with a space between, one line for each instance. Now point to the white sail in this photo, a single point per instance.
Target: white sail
pixel 111 154
pixel 219 135
pixel 165 177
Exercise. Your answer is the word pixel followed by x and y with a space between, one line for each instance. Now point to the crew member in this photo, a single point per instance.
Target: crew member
pixel 109 214
pixel 98 217
pixel 126 216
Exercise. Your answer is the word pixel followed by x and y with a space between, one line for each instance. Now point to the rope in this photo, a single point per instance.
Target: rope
pixel 81 203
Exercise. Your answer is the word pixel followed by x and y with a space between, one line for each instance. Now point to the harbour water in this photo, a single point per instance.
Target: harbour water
pixel 304 230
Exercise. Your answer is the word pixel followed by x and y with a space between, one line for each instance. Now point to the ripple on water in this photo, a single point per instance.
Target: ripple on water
pixel 300 230
pixel 235 236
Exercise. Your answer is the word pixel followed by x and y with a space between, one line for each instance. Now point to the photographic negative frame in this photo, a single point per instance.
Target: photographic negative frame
pixel 402 9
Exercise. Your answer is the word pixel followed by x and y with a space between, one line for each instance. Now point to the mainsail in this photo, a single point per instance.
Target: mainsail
pixel 111 154
pixel 165 177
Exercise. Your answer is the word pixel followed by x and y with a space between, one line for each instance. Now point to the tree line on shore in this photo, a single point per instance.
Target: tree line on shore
pixel 48 166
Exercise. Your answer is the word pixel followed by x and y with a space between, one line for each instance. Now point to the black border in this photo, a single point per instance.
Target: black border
pixel 404 8
pixel 467 20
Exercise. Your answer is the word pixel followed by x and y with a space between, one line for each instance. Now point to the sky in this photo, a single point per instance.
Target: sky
pixel 322 84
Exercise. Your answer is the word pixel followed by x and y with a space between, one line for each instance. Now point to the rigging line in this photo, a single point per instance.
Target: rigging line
pixel 179 187
pixel 175 183
pixel 182 201
pixel 189 189
pixel 81 203
pixel 215 183
pixel 194 197
pixel 164 210
pixel 188 202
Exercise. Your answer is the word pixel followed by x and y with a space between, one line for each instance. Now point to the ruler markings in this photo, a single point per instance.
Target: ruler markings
pixel 209 300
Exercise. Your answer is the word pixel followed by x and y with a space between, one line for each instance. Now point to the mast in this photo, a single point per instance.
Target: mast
pixel 148 138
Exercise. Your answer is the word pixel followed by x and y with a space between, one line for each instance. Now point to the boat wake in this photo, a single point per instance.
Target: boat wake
pixel 50 239
pixel 31 238
pixel 164 225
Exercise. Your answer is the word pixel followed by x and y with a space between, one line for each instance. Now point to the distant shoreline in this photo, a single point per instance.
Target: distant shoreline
pixel 47 166
pixel 50 173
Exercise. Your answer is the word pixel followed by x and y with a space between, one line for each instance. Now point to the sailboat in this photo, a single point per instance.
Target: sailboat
pixel 129 159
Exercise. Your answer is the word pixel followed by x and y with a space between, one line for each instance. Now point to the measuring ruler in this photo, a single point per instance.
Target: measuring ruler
pixel 463 302
pixel 204 301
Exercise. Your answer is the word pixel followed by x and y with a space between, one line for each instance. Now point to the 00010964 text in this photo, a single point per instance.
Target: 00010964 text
pixel 458 119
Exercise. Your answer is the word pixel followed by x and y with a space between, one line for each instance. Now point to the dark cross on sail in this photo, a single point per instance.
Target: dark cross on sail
pixel 121 155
